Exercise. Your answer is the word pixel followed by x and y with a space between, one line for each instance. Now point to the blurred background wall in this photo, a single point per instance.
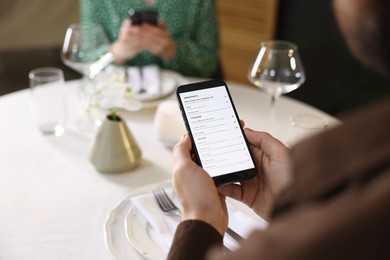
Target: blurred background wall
pixel 243 25
pixel 335 81
pixel 28 24
pixel 31 35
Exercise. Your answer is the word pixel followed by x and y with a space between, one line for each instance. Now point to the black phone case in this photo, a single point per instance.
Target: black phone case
pixel 139 17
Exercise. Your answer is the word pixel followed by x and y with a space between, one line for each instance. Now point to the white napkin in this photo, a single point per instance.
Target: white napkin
pixel 165 225
pixel 147 79
pixel 151 80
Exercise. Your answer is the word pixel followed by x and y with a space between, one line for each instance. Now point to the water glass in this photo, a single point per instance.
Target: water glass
pixel 303 126
pixel 48 100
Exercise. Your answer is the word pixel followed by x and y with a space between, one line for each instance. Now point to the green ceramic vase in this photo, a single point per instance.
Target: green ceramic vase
pixel 115 150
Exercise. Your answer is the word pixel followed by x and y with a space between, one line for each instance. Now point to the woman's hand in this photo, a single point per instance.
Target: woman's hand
pixel 127 46
pixel 195 189
pixel 274 173
pixel 136 38
pixel 156 40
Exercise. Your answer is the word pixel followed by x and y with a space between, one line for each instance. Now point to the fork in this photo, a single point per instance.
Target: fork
pixel 165 203
pixel 168 207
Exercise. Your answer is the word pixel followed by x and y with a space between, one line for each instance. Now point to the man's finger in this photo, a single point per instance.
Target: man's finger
pixel 182 150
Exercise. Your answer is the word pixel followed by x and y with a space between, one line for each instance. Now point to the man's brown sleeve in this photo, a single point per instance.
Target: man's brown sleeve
pixel 193 238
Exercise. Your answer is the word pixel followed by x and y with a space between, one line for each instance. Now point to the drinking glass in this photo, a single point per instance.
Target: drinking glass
pixel 303 126
pixel 48 100
pixel 86 50
pixel 276 70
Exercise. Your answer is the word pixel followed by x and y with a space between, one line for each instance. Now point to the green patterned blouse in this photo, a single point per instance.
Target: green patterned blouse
pixel 192 25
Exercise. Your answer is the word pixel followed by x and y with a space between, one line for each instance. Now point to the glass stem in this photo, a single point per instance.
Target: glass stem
pixel 91 92
pixel 272 115
pixel 273 99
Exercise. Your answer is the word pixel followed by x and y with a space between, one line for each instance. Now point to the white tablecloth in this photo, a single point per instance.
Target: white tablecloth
pixel 53 203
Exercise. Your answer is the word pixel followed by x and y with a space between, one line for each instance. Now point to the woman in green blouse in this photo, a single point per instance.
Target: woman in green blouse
pixel 185 38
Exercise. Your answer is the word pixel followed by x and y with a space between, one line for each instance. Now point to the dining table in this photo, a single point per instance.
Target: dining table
pixel 54 204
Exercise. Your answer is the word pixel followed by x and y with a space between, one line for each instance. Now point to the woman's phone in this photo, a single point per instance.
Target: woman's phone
pixel 218 140
pixel 140 17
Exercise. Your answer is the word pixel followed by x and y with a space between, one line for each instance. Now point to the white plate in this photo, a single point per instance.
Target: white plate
pixel 146 243
pixel 169 80
pixel 114 91
pixel 126 233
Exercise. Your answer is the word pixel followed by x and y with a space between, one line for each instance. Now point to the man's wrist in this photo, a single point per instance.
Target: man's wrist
pixel 213 220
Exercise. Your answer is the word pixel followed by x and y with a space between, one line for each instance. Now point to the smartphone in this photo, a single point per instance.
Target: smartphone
pixel 135 16
pixel 150 17
pixel 139 17
pixel 218 140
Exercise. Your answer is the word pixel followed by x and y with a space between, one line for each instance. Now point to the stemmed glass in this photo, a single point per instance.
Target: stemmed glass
pixel 86 50
pixel 276 70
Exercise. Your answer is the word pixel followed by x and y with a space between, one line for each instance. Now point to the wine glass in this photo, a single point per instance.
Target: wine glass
pixel 276 70
pixel 86 50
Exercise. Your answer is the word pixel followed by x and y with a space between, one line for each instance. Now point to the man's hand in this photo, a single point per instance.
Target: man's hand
pixel 274 172
pixel 195 189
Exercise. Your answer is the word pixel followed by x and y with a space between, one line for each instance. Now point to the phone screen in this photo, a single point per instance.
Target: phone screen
pixel 211 119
